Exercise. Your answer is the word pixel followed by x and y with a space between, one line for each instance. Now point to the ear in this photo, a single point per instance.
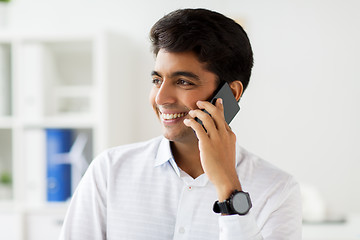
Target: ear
pixel 237 89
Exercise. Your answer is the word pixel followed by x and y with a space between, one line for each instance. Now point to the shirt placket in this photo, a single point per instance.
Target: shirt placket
pixel 185 212
pixel 187 203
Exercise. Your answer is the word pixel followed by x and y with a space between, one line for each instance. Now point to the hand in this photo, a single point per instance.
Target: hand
pixel 217 147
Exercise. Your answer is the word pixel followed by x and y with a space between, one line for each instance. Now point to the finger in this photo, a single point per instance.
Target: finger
pixel 228 128
pixel 216 111
pixel 199 130
pixel 206 120
pixel 220 105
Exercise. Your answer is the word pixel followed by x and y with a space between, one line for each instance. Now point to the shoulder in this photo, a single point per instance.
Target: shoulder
pixel 129 152
pixel 261 174
pixel 139 147
pixel 257 165
pixel 274 192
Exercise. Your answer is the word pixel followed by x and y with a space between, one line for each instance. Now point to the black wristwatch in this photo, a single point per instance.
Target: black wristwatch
pixel 239 202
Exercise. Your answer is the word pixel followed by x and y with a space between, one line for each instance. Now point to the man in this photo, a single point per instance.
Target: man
pixel 195 182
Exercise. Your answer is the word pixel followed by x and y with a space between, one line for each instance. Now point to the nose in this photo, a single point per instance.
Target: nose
pixel 165 94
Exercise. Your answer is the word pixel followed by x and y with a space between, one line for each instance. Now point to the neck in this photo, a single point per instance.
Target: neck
pixel 187 157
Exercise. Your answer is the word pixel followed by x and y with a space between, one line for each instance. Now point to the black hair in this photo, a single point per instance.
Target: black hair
pixel 218 41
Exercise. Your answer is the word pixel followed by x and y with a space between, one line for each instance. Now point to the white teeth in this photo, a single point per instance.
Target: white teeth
pixel 172 115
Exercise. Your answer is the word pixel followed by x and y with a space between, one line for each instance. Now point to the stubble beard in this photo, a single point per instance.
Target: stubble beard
pixel 185 134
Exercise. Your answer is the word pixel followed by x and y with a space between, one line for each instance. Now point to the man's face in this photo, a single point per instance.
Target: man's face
pixel 180 80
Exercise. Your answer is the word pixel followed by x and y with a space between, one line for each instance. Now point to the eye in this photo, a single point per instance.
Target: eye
pixel 184 82
pixel 156 81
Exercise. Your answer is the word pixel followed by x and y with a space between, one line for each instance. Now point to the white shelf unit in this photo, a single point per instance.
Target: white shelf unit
pixel 55 80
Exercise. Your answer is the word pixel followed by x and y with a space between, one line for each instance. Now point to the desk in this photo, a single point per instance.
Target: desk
pixel 350 230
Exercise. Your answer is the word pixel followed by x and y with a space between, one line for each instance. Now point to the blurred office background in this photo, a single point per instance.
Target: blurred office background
pixel 300 111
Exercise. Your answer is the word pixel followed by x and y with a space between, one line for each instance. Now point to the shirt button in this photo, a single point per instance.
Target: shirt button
pixel 189 188
pixel 182 230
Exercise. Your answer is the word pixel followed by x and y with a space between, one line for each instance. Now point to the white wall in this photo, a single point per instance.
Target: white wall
pixel 301 110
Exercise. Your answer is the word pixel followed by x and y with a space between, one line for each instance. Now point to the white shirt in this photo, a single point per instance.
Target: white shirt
pixel 138 192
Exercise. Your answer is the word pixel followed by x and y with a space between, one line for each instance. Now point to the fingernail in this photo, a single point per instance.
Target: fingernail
pixel 221 101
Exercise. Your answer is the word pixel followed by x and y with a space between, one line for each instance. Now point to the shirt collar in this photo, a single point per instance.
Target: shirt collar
pixel 164 152
pixel 164 155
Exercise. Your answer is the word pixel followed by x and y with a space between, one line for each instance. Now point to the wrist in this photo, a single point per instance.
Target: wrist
pixel 239 202
pixel 226 189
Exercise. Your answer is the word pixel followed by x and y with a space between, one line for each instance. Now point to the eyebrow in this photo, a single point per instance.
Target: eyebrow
pixel 178 73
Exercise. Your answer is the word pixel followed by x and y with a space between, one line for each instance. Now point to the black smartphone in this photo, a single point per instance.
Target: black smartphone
pixel 231 106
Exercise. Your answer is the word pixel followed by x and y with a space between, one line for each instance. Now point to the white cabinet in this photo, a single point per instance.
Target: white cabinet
pixel 55 80
pixel 10 225
pixel 42 224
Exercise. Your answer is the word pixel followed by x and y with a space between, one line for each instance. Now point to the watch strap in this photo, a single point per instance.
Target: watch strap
pixel 225 207
pixel 222 207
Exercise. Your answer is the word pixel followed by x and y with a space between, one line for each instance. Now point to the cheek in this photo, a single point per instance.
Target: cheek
pixel 190 101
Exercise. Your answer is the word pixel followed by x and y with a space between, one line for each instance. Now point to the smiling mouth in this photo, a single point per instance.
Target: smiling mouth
pixel 172 116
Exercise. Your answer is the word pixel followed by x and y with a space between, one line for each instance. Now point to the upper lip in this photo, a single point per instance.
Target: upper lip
pixel 170 111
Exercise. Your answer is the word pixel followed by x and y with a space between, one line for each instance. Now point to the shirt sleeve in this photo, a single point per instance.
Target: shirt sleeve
pixel 86 215
pixel 234 226
pixel 280 221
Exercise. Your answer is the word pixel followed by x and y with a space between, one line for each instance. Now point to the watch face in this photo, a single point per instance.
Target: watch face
pixel 241 203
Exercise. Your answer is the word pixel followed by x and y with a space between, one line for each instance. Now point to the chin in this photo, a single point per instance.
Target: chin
pixel 182 136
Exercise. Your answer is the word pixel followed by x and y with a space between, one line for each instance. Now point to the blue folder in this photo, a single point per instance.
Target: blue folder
pixel 58 144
